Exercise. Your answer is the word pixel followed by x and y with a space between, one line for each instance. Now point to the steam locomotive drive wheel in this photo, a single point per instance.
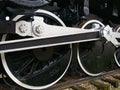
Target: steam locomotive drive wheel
pixel 117 52
pixel 38 68
pixel 94 57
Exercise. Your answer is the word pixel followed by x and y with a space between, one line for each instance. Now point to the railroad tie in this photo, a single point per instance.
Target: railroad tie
pixel 101 84
pixel 112 81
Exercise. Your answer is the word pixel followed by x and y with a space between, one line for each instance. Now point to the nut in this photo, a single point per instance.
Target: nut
pixel 23 28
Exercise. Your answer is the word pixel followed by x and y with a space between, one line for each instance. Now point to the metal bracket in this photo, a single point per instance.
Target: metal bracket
pixel 38 28
pixel 111 36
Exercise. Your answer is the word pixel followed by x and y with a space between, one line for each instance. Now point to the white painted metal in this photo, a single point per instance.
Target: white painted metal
pixel 48 31
pixel 23 28
pixel 111 36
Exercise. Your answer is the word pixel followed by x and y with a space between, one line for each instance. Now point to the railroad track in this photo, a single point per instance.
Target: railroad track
pixel 107 81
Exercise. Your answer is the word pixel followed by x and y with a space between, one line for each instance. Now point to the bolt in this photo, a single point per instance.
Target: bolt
pixel 38 29
pixel 23 28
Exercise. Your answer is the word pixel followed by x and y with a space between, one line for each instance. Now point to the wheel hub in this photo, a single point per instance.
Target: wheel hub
pixel 43 54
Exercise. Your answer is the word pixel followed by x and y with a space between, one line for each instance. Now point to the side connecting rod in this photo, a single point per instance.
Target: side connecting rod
pixel 44 35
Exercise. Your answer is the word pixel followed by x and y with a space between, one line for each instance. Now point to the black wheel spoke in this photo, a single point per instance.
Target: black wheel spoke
pixel 24 66
pixel 34 67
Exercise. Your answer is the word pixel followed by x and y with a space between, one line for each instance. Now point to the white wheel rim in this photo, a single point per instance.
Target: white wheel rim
pixel 116 60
